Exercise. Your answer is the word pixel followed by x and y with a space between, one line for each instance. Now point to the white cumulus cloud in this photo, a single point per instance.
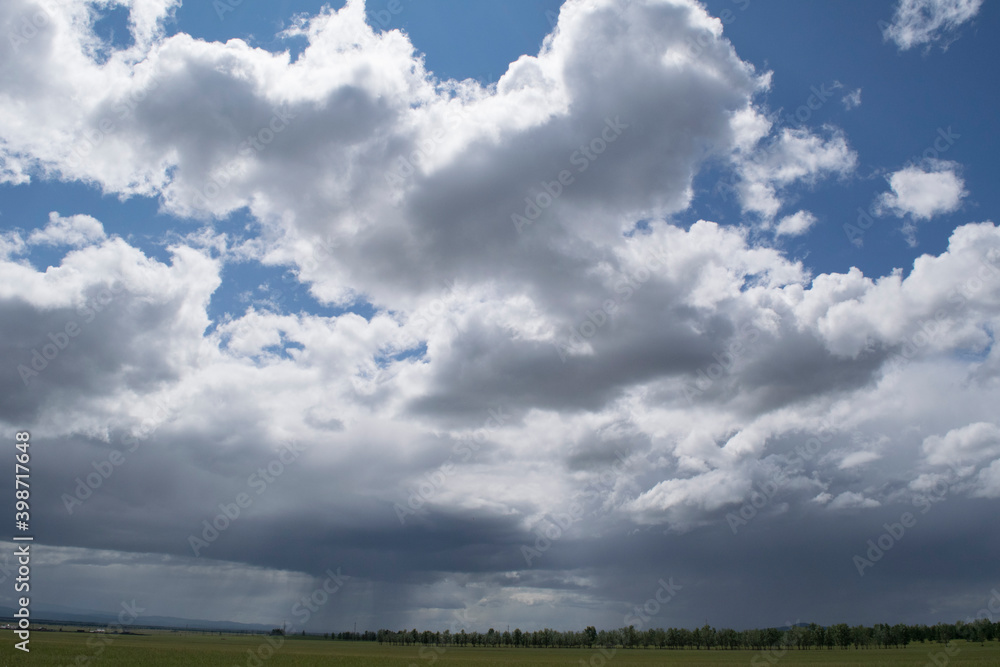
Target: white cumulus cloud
pixel 918 22
pixel 923 192
pixel 74 230
pixel 796 224
pixel 852 100
pixel 794 155
pixel 971 443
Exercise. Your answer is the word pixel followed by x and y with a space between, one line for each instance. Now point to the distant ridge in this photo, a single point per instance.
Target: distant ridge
pixel 43 614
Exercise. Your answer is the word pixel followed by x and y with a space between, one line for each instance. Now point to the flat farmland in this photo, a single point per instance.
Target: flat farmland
pixel 63 649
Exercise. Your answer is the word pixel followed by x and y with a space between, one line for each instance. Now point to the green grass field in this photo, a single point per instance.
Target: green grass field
pixel 186 650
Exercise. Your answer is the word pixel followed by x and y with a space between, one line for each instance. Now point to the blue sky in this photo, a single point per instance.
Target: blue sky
pixel 364 251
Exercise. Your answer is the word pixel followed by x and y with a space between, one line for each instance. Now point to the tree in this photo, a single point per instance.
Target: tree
pixel 842 635
pixel 899 635
pixel 708 636
pixel 815 634
pixel 728 638
pixel 861 636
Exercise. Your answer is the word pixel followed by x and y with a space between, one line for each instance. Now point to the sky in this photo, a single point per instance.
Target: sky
pixel 445 314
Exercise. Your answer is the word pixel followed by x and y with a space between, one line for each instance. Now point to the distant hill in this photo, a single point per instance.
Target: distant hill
pixel 786 628
pixel 57 613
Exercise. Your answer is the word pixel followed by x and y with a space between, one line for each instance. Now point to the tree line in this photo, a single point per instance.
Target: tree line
pixel 812 636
